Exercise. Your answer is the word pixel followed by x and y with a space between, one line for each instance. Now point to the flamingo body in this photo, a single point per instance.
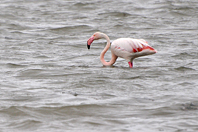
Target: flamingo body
pixel 130 49
pixel 126 48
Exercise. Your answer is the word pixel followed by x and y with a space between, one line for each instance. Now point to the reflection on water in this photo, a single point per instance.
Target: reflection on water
pixel 49 81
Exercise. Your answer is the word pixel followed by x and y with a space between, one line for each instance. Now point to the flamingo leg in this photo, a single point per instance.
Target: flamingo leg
pixel 130 64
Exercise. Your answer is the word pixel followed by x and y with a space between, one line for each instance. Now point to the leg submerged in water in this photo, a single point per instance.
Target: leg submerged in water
pixel 130 64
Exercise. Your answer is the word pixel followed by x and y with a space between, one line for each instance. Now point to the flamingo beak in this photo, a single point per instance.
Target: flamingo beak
pixel 88 46
pixel 89 41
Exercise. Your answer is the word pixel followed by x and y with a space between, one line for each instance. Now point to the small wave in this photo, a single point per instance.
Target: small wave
pixel 42 56
pixel 81 4
pixel 28 124
pixel 9 38
pixel 13 111
pixel 13 65
pixel 116 14
pixel 19 113
pixel 32 73
pixel 183 55
pixel 183 68
pixel 68 29
pixel 18 26
pixel 86 4
pixel 189 106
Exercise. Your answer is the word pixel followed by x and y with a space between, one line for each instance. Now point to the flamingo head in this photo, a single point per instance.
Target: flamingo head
pixel 95 36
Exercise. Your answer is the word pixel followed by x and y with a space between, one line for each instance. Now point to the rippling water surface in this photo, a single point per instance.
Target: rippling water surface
pixel 49 81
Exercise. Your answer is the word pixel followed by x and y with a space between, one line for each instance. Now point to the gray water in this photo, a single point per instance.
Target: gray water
pixel 51 82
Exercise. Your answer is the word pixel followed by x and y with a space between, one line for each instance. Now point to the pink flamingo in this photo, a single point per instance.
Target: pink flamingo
pixel 126 48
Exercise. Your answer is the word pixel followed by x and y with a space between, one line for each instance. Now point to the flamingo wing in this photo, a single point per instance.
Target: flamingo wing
pixel 131 45
pixel 129 49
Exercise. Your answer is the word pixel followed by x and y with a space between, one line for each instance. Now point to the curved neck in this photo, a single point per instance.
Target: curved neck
pixel 113 57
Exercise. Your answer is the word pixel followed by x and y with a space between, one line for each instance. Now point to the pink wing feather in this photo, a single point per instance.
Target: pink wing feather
pixel 132 45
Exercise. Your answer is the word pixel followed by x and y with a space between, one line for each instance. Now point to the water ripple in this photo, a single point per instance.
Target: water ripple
pixel 49 81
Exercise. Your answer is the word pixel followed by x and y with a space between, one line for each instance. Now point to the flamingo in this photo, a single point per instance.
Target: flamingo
pixel 126 48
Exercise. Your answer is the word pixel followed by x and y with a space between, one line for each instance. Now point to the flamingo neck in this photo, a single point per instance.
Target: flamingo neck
pixel 113 58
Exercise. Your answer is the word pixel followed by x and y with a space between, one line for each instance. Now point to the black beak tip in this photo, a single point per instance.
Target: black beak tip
pixel 88 46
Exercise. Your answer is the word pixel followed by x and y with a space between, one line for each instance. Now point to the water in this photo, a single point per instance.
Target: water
pixel 49 81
